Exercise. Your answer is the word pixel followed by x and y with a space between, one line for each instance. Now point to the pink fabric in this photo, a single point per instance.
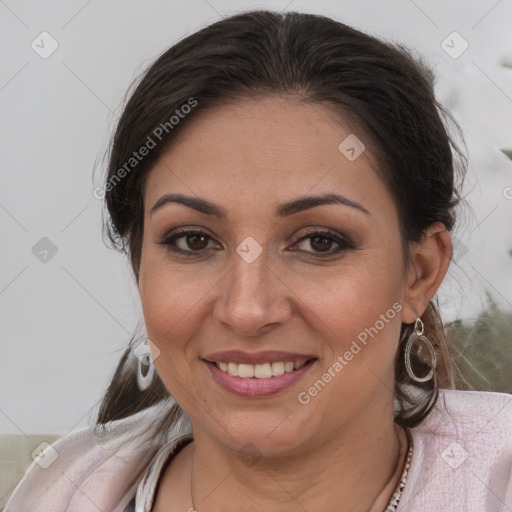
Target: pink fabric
pixel 462 462
pixel 93 473
pixel 462 458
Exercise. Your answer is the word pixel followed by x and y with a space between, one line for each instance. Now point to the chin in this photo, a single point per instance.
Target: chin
pixel 263 434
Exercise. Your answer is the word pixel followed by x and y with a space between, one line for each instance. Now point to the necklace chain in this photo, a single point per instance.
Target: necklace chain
pixel 393 502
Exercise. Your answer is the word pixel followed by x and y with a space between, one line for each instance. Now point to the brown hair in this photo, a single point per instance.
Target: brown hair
pixel 381 86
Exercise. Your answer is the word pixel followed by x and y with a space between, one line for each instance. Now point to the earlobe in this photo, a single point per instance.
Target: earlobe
pixel 430 259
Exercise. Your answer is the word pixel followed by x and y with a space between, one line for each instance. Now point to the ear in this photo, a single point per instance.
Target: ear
pixel 429 262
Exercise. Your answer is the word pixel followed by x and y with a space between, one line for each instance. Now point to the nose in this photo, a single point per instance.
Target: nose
pixel 253 299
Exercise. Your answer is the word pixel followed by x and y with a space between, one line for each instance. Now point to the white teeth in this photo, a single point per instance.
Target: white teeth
pixel 277 369
pixel 246 370
pixel 263 371
pixel 260 371
pixel 232 369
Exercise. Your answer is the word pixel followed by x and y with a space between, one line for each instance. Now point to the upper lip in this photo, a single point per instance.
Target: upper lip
pixel 265 356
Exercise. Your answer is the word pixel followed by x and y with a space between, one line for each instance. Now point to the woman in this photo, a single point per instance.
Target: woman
pixel 285 189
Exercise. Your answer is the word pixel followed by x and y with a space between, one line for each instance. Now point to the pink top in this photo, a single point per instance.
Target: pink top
pixel 462 462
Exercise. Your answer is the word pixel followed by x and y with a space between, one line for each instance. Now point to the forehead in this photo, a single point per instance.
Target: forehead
pixel 264 151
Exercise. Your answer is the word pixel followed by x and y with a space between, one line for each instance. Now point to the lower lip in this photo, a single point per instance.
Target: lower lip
pixel 253 387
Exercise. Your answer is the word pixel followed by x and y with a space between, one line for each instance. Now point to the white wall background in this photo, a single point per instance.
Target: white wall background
pixel 65 322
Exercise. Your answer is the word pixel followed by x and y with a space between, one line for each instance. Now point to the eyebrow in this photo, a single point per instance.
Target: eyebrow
pixel 283 210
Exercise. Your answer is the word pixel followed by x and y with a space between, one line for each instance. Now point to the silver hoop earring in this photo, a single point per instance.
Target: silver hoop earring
pixel 415 347
pixel 145 368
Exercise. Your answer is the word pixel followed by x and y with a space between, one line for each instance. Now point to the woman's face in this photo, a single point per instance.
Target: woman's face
pixel 261 282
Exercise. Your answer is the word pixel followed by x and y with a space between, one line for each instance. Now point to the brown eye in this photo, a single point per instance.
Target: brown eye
pixel 190 241
pixel 322 242
pixel 317 243
pixel 196 241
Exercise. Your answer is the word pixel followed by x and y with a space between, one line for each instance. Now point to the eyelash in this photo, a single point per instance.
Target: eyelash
pixel 344 244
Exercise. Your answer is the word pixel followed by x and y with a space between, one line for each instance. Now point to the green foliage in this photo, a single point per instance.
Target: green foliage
pixel 483 350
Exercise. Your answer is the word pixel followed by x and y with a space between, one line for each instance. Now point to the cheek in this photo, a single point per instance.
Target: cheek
pixel 168 303
pixel 176 305
pixel 358 314
pixel 174 301
pixel 170 306
pixel 358 323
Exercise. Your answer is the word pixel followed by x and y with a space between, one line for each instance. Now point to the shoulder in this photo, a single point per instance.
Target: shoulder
pixel 471 412
pixel 90 471
pixel 462 454
pixel 150 481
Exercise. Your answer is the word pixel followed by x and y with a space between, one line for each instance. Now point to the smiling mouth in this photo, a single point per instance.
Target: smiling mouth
pixel 260 371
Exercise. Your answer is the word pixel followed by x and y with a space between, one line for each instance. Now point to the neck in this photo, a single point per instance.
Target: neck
pixel 357 470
